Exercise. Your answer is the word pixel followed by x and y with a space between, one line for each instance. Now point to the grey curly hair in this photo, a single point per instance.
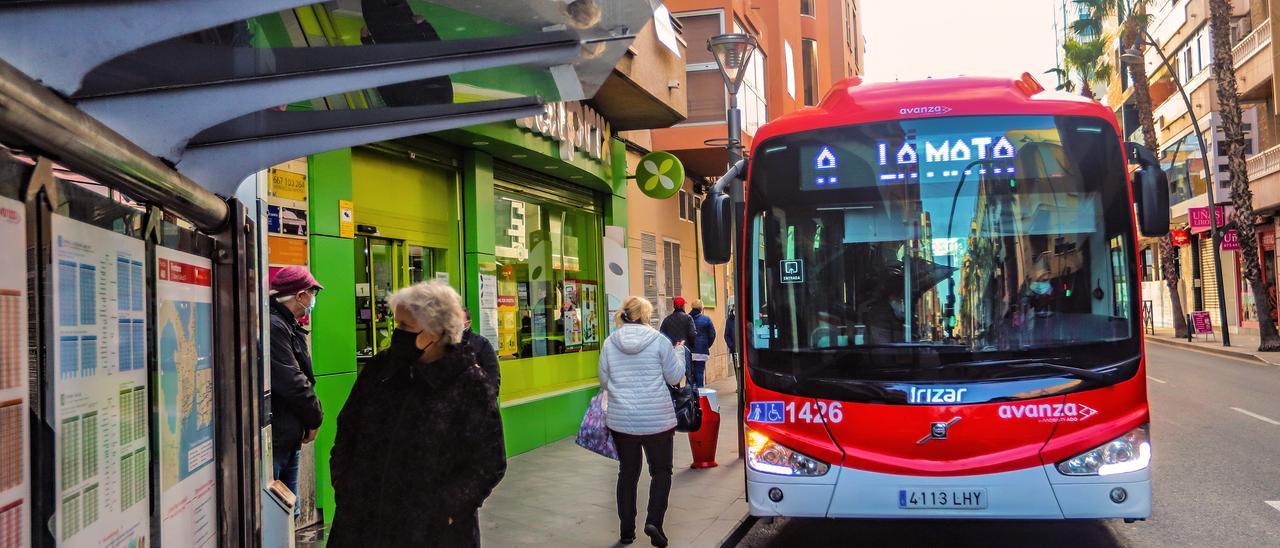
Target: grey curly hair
pixel 435 306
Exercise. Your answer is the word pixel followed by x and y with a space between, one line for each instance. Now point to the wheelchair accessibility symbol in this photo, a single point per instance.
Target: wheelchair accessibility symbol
pixel 766 412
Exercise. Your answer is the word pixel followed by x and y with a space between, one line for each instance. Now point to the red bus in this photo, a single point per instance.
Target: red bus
pixel 938 303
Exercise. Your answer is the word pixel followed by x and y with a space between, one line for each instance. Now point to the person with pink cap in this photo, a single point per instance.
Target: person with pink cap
pixel 295 410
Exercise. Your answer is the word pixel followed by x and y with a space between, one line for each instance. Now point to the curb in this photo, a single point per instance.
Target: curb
pixel 739 531
pixel 1212 350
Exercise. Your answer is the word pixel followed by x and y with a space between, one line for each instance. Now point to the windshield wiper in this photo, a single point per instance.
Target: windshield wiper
pixel 1027 363
pixel 1087 374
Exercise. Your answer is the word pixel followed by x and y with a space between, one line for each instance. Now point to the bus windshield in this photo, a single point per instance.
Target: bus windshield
pixel 940 240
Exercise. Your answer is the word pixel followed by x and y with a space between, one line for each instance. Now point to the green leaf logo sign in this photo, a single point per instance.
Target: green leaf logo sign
pixel 660 175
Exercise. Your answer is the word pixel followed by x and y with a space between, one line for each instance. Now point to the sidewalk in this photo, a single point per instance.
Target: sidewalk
pixel 563 495
pixel 1243 345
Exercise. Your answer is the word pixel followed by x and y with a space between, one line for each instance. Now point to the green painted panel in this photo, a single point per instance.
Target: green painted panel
pixel 562 415
pixel 330 180
pixel 333 336
pixel 406 200
pixel 477 178
pixel 537 423
pixel 522 428
pixel 532 376
pixel 332 391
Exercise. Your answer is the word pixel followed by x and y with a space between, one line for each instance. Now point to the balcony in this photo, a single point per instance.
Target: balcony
pixel 1254 66
pixel 646 89
pixel 1264 178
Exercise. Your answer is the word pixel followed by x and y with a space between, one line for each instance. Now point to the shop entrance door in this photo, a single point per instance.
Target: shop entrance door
pixel 384 266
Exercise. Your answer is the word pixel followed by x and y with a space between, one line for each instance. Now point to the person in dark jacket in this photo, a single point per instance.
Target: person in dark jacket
pixel 295 410
pixel 486 356
pixel 678 327
pixel 730 334
pixel 704 337
pixel 419 444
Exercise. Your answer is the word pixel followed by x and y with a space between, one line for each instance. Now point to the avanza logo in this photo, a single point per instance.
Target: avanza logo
pixel 935 109
pixel 1048 412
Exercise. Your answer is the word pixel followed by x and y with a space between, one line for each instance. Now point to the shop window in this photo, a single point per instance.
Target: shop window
pixel 1182 161
pixel 706 95
pixel 809 58
pixel 548 277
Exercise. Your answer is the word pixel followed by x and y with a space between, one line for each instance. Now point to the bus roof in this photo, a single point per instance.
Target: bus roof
pixel 852 101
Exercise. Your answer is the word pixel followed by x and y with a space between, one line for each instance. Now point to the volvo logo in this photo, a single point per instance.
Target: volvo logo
pixel 938 431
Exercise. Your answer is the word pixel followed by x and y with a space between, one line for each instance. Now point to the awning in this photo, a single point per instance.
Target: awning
pixel 223 89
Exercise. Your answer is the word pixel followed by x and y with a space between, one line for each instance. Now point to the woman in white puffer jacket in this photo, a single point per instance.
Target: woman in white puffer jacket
pixel 636 365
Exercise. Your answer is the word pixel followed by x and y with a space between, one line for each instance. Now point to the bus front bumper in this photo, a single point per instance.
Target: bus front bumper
pixel 1033 493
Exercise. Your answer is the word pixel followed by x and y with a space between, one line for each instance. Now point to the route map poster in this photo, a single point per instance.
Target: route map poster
pixel 99 360
pixel 15 519
pixel 184 399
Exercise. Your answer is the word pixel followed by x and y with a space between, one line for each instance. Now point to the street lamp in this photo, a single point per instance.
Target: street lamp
pixel 1134 57
pixel 733 53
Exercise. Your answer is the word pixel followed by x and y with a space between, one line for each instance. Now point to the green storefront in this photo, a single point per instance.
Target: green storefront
pixel 498 212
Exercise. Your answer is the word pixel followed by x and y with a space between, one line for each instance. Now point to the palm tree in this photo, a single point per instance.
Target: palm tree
pixel 1224 70
pixel 1064 79
pixel 1085 60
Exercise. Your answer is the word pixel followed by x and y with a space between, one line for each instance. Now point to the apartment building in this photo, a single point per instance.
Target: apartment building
pixel 1181 28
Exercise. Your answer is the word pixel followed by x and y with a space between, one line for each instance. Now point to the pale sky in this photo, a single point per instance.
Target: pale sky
pixel 916 39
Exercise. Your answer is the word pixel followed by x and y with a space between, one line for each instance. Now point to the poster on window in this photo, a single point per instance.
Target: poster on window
pixel 185 404
pixel 570 315
pixel 102 486
pixel 617 282
pixel 15 475
pixel 588 299
pixel 487 322
pixel 508 342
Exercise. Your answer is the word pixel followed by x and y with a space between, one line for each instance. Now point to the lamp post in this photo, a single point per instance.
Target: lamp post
pixel 732 53
pixel 1134 57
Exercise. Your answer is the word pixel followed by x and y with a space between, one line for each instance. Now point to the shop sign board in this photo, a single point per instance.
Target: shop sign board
pixel 185 407
pixel 1180 237
pixel 1199 217
pixel 574 126
pixel 660 175
pixel 286 185
pixel 283 250
pixel 1230 241
pixel 102 479
pixel 15 512
pixel 1201 322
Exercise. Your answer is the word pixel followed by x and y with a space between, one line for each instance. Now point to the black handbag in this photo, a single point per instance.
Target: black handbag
pixel 688 409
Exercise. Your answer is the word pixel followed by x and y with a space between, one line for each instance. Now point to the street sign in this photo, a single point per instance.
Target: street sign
pixel 791 272
pixel 1180 237
pixel 1199 217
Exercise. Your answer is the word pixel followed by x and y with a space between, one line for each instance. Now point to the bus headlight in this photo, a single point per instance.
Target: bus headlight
pixel 770 457
pixel 1127 453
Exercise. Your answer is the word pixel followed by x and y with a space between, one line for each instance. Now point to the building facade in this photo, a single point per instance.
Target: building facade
pixel 1182 29
pixel 805 46
pixel 520 217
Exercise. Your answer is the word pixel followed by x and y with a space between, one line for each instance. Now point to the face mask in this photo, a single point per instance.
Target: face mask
pixel 1041 288
pixel 312 306
pixel 406 342
pixel 897 307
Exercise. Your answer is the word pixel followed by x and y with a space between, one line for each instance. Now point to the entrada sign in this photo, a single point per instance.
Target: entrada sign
pixel 574 126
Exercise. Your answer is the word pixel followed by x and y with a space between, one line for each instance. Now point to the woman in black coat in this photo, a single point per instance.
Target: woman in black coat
pixel 419 444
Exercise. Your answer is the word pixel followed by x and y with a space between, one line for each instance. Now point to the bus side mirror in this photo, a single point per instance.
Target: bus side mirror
pixel 1150 191
pixel 717 228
